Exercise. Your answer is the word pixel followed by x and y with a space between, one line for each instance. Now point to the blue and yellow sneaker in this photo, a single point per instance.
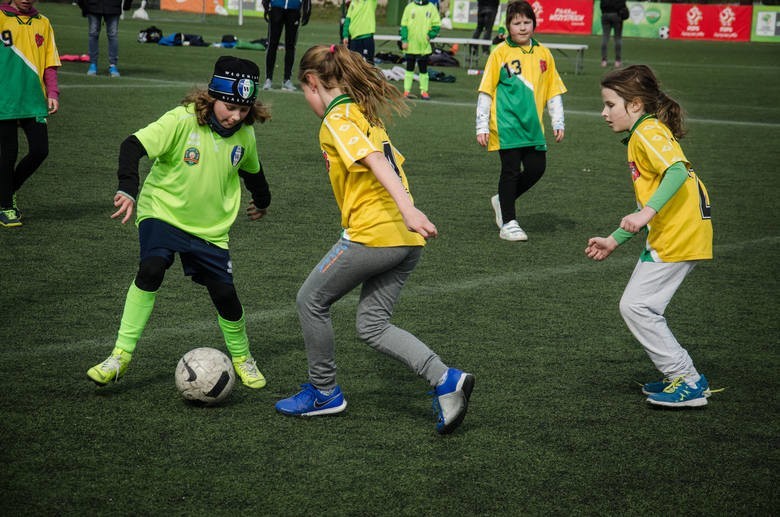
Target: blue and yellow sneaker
pixel 312 402
pixel 659 386
pixel 680 394
pixel 112 369
pixel 246 369
pixel 451 400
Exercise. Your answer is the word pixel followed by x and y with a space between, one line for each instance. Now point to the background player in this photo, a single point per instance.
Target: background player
pixel 420 23
pixel 28 61
pixel 189 202
pixel 359 28
pixel 520 78
pixel 382 239
pixel 674 207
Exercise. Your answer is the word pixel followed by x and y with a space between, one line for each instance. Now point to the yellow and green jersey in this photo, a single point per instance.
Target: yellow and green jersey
pixel 369 215
pixel 520 80
pixel 361 19
pixel 27 48
pixel 682 229
pixel 420 23
pixel 193 183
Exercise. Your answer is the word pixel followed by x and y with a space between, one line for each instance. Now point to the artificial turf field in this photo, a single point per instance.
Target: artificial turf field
pixel 557 424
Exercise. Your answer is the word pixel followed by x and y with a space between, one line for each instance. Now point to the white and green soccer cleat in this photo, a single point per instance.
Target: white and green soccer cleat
pixel 246 369
pixel 112 369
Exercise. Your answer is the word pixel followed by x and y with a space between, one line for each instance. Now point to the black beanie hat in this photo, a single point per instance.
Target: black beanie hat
pixel 235 80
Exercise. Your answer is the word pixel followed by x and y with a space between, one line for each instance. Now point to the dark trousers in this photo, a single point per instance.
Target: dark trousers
pixel 287 20
pixel 365 47
pixel 611 22
pixel 12 176
pixel 521 168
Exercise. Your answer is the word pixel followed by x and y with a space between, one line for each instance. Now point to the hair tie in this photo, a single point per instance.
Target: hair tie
pixel 332 49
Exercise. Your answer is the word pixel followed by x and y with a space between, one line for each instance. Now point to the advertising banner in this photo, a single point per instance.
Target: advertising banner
pixel 552 16
pixel 645 20
pixel 251 7
pixel 766 23
pixel 194 6
pixel 711 22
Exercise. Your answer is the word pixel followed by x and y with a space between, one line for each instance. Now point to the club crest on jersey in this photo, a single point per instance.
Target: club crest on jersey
pixel 191 156
pixel 245 88
pixel 543 65
pixel 236 154
pixel 327 162
pixel 39 40
pixel 634 171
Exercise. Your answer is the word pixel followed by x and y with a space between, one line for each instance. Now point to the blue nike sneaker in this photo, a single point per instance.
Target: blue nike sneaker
pixel 659 386
pixel 679 394
pixel 451 400
pixel 312 402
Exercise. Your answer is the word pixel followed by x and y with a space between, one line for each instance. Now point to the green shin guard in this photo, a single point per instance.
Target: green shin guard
pixel 138 308
pixel 236 339
pixel 408 80
pixel 424 80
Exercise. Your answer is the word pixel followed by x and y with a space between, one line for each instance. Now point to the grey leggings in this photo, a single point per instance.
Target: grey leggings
pixel 382 273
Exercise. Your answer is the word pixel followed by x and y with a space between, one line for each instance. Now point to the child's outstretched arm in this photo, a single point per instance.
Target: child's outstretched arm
pixel 415 219
pixel 257 185
pixel 674 178
pixel 130 153
pixel 600 248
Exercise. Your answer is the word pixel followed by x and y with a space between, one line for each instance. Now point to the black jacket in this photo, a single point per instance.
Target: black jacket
pixel 104 6
pixel 612 6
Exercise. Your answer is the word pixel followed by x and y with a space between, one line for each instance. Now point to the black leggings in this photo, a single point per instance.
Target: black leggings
pixel 521 168
pixel 151 273
pixel 12 176
pixel 281 19
pixel 421 60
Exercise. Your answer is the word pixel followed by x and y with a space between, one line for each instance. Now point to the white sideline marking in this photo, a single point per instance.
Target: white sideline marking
pixel 162 83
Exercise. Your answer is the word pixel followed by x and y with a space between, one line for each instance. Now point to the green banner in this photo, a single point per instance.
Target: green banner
pixel 645 20
pixel 766 23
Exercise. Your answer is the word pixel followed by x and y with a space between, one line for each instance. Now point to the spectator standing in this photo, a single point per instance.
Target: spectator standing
pixel 97 12
pixel 359 28
pixel 486 16
pixel 287 16
pixel 613 12
pixel 29 62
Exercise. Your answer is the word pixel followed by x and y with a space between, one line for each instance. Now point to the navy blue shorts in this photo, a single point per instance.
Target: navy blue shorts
pixel 200 259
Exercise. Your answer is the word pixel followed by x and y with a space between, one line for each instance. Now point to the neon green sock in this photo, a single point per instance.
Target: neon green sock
pixel 408 80
pixel 236 339
pixel 138 308
pixel 424 82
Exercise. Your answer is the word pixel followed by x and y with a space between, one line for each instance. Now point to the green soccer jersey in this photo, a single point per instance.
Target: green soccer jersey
pixel 27 48
pixel 361 19
pixel 520 80
pixel 420 23
pixel 194 184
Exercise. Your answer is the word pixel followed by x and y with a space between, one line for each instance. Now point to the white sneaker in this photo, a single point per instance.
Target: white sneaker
pixel 497 209
pixel 511 231
pixel 267 85
pixel 289 86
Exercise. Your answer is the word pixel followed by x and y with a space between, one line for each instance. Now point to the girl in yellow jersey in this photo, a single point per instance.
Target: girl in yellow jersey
pixel 381 242
pixel 674 206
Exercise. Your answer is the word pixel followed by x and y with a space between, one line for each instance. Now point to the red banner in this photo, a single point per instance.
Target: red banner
pixel 563 16
pixel 711 22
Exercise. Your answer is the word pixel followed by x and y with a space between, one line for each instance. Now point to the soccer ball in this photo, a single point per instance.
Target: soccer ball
pixel 663 32
pixel 205 376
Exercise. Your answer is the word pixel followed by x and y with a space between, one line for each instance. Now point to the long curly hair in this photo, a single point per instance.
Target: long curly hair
pixel 338 67
pixel 204 105
pixel 639 82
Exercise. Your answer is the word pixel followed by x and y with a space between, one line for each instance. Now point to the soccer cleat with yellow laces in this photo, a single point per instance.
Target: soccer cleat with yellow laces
pixel 112 369
pixel 246 369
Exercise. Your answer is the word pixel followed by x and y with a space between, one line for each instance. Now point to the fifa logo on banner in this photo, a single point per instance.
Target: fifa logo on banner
pixel 694 16
pixel 727 17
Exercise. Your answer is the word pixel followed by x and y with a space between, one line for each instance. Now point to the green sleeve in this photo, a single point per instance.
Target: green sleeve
pixel 673 179
pixel 621 235
pixel 404 33
pixel 345 29
pixel 434 31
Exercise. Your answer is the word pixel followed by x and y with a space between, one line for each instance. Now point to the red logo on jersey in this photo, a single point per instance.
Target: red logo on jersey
pixel 633 170
pixel 38 40
pixel 327 162
pixel 543 65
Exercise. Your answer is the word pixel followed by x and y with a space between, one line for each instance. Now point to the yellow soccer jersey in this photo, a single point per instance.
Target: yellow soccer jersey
pixel 682 230
pixel 520 81
pixel 369 215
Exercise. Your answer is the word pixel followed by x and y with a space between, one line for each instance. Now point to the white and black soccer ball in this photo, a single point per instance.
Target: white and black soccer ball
pixel 205 376
pixel 663 32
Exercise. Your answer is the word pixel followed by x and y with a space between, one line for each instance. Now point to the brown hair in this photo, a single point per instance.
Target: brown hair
pixel 516 8
pixel 338 67
pixel 639 82
pixel 204 104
